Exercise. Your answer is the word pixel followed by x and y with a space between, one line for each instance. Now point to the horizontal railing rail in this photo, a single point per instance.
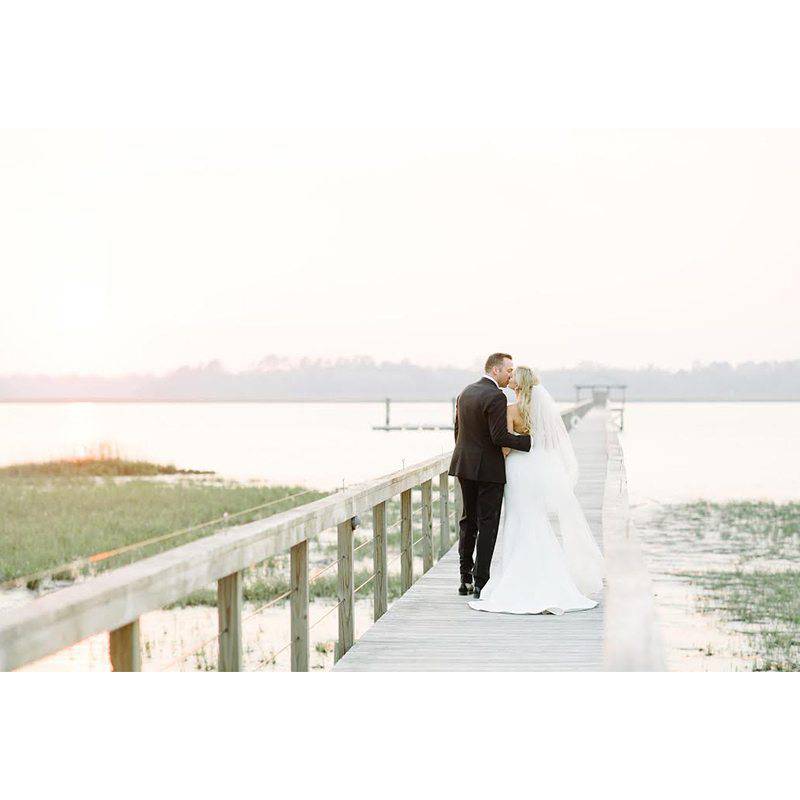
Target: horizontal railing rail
pixel 632 636
pixel 115 600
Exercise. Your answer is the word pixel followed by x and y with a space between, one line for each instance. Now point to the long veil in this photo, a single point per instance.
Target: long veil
pixel 550 433
pixel 584 559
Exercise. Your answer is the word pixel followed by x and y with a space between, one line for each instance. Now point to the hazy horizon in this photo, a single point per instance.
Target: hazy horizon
pixel 364 378
pixel 273 363
pixel 137 251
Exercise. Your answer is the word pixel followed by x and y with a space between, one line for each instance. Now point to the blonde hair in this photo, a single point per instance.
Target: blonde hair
pixel 526 379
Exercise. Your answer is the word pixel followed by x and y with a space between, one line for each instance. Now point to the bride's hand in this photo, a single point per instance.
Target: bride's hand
pixel 506 451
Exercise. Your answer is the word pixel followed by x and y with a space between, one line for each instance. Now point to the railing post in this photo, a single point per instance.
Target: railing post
pixel 124 649
pixel 427 526
pixel 345 588
pixel 229 613
pixel 444 513
pixel 406 542
pixel 381 583
pixel 298 603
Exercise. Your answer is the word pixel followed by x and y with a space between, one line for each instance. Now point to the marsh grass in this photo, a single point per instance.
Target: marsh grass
pixel 748 530
pixel 93 467
pixel 759 594
pixel 50 521
pixel 766 604
pixel 53 518
pixel 265 588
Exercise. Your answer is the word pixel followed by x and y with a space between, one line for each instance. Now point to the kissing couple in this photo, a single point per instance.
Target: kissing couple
pixel 517 457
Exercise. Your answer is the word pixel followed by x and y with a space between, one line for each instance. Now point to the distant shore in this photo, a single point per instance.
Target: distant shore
pixel 362 379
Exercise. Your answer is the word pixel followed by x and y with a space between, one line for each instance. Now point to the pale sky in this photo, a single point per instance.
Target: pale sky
pixel 433 180
pixel 141 251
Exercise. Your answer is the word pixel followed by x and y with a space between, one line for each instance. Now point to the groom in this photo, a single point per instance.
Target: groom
pixel 481 431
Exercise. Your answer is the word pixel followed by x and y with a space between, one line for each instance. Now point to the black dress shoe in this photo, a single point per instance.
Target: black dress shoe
pixel 477 593
pixel 465 589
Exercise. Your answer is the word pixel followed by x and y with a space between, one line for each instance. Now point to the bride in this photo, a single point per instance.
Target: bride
pixel 539 573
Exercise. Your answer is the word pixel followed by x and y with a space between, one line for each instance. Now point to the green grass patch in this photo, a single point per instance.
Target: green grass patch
pixel 50 521
pixel 745 529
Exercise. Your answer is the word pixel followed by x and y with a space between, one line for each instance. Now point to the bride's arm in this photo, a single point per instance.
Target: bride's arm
pixel 511 413
pixel 497 417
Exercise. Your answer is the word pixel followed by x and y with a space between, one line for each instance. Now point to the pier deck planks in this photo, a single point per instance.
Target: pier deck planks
pixel 432 628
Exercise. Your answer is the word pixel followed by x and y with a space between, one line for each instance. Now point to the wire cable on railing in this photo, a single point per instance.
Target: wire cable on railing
pixel 256 612
pixel 272 658
pixel 395 559
pixel 371 577
pixel 250 616
pixel 278 599
pixel 323 571
pixel 326 614
pixel 287 593
pixel 363 544
pixel 205 644
pixel 104 555
pixel 181 658
pixel 267 605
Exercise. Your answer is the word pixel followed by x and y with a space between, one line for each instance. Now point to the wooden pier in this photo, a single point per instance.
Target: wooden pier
pixel 432 628
pixel 429 628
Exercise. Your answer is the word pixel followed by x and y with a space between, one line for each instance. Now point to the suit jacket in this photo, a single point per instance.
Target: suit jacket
pixel 481 430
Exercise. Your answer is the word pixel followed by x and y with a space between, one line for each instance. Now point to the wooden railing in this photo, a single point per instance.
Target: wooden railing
pixel 632 637
pixel 114 601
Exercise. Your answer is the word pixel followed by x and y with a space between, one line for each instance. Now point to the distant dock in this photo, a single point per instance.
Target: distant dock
pixel 600 396
pixel 415 426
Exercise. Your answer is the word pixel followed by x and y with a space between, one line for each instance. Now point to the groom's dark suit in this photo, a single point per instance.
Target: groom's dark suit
pixel 478 463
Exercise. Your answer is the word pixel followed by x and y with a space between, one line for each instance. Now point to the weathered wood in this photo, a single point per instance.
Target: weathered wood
pixel 117 597
pixel 124 648
pixel 632 640
pixel 381 581
pixel 298 604
pixel 432 628
pixel 229 614
pixel 345 590
pixel 406 542
pixel 427 526
pixel 444 514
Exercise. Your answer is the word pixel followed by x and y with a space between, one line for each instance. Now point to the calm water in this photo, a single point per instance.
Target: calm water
pixel 676 452
pixel 315 444
pixel 673 451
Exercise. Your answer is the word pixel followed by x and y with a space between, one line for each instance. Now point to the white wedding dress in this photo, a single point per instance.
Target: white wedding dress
pixel 534 571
